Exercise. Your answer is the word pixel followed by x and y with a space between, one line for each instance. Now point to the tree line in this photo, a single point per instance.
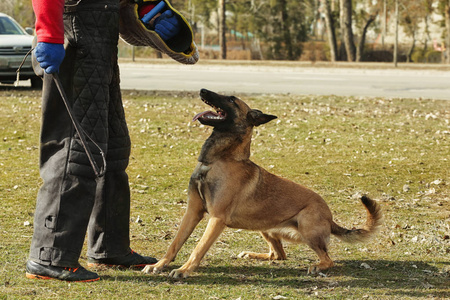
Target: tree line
pixel 283 26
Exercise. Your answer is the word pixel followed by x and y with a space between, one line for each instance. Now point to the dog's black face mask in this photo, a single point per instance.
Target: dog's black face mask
pixel 230 113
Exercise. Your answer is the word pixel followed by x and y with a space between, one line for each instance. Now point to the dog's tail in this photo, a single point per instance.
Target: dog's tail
pixel 373 223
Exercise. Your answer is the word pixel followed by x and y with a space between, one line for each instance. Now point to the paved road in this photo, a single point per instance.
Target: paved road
pixel 235 79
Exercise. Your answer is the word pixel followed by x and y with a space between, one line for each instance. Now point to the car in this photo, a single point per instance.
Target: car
pixel 15 43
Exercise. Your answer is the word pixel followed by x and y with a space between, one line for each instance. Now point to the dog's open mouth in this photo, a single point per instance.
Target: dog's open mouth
pixel 218 115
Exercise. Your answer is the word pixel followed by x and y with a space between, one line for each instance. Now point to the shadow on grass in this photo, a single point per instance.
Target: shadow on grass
pixel 398 278
pixel 7 88
pixel 11 87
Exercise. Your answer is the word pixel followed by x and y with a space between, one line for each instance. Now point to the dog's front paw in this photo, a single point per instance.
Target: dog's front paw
pixel 156 268
pixel 322 266
pixel 179 274
pixel 148 269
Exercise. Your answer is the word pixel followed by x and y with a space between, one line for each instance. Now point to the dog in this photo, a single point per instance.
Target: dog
pixel 237 193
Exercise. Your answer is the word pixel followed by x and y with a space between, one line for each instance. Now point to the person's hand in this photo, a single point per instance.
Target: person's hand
pixel 49 56
pixel 167 25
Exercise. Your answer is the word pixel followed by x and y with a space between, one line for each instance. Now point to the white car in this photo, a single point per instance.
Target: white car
pixel 15 43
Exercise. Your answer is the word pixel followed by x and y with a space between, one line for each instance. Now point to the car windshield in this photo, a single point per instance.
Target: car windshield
pixel 7 26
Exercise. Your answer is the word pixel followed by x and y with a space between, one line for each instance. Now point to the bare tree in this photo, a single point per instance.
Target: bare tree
pixel 315 16
pixel 20 10
pixel 346 28
pixel 331 34
pixel 447 25
pixel 396 34
pixel 383 32
pixel 222 29
pixel 428 8
pixel 362 41
pixel 285 29
pixel 6 6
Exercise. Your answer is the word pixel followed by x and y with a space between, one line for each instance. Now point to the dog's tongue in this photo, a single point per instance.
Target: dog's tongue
pixel 205 113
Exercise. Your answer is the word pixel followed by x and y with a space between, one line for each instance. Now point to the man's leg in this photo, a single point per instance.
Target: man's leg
pixel 65 200
pixel 109 241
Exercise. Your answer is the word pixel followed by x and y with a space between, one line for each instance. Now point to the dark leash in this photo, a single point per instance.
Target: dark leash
pixel 99 171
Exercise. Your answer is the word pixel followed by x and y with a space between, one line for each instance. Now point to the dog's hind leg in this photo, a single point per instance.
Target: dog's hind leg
pixel 276 251
pixel 313 226
pixel 213 230
pixel 319 244
pixel 194 214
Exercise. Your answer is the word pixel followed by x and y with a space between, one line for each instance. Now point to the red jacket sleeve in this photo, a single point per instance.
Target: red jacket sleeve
pixel 49 20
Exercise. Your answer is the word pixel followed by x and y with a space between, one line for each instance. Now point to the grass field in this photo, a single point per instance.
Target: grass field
pixel 395 150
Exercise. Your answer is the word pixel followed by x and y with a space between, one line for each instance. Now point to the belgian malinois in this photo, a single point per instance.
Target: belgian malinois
pixel 237 193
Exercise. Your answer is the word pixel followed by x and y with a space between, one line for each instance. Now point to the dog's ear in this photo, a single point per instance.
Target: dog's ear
pixel 257 117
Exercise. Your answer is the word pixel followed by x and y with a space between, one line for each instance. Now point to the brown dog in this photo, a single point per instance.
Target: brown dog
pixel 237 193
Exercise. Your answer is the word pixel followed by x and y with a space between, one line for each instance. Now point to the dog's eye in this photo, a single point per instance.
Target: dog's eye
pixel 232 99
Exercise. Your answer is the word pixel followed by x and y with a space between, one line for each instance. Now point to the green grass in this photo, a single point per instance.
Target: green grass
pixel 395 150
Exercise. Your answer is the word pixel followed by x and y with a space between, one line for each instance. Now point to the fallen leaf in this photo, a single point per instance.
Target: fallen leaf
pixel 365 266
pixel 430 191
pixel 278 297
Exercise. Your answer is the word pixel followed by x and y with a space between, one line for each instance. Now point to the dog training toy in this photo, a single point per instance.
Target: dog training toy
pixel 151 14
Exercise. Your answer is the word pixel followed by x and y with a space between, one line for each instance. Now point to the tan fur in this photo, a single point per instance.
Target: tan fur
pixel 237 193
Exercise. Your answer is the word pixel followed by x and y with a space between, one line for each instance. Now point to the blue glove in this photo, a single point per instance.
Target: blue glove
pixel 49 56
pixel 167 25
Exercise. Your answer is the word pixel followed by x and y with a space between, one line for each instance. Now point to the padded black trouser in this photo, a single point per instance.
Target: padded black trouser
pixel 72 201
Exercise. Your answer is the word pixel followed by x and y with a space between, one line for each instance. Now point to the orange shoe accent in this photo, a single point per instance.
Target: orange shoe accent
pixel 33 276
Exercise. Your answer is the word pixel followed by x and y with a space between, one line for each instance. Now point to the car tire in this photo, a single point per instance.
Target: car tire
pixel 36 83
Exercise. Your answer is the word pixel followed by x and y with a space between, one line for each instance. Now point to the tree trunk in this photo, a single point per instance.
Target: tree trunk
pixel 426 36
pixel 360 49
pixel 346 27
pixel 411 49
pixel 447 25
pixel 383 32
pixel 285 29
pixel 222 30
pixel 316 16
pixel 331 34
pixel 396 34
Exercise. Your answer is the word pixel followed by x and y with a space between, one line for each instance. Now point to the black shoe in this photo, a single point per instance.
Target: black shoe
pixel 131 260
pixel 80 274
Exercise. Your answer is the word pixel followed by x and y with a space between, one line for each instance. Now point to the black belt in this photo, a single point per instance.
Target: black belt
pixel 77 5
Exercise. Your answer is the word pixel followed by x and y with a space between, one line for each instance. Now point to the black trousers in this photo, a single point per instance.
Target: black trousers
pixel 72 201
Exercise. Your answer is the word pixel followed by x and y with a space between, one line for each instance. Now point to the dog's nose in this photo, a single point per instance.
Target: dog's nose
pixel 203 91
